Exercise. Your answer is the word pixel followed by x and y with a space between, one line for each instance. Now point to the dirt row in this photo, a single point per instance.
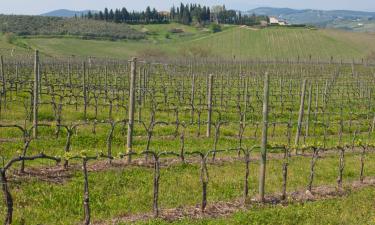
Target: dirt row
pixel 58 174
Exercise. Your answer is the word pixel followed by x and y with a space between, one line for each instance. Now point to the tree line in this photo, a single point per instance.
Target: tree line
pixel 224 16
pixel 185 14
pixel 124 16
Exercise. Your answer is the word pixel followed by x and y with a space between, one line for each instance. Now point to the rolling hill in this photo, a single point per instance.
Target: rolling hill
pixel 57 26
pixel 234 42
pixel 310 16
pixel 66 13
pixel 340 19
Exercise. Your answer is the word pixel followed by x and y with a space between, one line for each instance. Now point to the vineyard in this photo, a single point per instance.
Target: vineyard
pixel 107 141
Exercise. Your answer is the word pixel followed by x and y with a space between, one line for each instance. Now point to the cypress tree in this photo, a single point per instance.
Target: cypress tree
pixel 106 15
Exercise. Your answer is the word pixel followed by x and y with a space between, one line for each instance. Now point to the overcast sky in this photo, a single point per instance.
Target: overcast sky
pixel 41 6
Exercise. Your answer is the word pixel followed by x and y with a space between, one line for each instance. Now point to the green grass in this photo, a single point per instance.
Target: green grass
pixel 242 43
pixel 158 32
pixel 122 191
pixel 9 50
pixel 357 208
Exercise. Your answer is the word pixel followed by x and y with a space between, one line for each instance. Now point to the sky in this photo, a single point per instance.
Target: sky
pixel 34 7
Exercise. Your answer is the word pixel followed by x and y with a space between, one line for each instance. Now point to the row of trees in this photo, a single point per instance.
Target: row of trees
pixel 184 14
pixel 124 16
pixel 232 17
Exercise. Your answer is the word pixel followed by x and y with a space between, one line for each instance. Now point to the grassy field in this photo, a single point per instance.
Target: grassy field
pixel 238 42
pixel 159 32
pixel 11 51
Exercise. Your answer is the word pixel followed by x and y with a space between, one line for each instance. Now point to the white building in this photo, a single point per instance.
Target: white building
pixel 274 21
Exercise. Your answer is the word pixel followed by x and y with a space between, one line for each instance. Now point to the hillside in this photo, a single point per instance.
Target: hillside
pixel 340 19
pixel 239 42
pixel 66 13
pixel 311 16
pixel 56 26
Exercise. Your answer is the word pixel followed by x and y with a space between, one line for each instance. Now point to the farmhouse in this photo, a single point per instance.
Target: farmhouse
pixel 164 13
pixel 276 21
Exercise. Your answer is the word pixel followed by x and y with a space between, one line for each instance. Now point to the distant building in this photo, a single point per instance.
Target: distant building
pixel 164 13
pixel 275 21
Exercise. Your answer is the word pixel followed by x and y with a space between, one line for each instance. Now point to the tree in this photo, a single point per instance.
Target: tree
pixel 89 15
pixel 148 14
pixel 215 28
pixel 106 16
pixel 117 17
pixel 172 14
pixel 208 15
pixel 111 15
pixel 185 17
pixel 124 15
pixel 155 16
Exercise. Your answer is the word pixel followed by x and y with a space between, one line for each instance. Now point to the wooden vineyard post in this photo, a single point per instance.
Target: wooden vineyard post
pixel 2 74
pixel 17 80
pixel 300 116
pixel 140 92
pixel 40 74
pixel 106 82
pixel 133 69
pixel 192 97
pixel 263 149
pixel 246 101
pixel 84 80
pixel 145 75
pixel 36 94
pixel 209 105
pixel 86 195
pixel 308 112
pixel 70 75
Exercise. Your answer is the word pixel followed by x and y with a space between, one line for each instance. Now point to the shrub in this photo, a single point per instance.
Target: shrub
pixel 196 52
pixel 215 28
pixel 371 56
pixel 9 38
pixel 176 30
